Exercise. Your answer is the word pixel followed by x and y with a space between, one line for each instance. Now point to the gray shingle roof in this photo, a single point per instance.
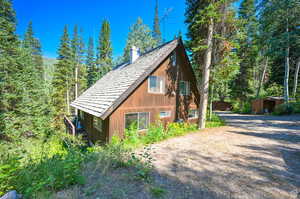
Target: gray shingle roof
pixel 113 88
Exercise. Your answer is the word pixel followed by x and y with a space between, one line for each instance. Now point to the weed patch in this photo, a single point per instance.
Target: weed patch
pixel 157 192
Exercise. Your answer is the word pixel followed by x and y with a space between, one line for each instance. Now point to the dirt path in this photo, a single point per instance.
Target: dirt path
pixel 254 157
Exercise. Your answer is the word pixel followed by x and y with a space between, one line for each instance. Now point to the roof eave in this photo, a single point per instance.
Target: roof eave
pixel 94 113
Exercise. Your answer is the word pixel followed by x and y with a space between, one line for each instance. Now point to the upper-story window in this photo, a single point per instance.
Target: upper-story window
pixel 156 84
pixel 184 88
pixel 173 59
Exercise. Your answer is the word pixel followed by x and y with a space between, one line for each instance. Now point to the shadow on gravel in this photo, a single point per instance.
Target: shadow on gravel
pixel 280 137
pixel 289 122
pixel 236 176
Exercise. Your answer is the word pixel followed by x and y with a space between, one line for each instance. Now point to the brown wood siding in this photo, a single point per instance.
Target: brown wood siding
pixel 143 101
pixel 94 134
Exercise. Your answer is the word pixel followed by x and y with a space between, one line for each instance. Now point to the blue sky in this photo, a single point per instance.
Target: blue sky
pixel 50 16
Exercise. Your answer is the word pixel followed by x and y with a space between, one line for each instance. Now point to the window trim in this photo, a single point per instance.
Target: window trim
pixel 162 87
pixel 188 88
pixel 138 120
pixel 169 114
pixel 196 115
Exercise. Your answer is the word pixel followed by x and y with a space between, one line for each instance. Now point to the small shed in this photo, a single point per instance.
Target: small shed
pixel 266 105
pixel 221 106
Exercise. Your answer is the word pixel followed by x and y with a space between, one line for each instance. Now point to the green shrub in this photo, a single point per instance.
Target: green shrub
pixel 155 133
pixel 51 174
pixel 157 192
pixel 215 121
pixel 241 107
pixel 287 109
pixel 8 169
pixel 274 90
pixel 37 165
pixel 296 106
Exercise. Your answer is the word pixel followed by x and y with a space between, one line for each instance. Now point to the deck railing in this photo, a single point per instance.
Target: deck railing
pixel 69 126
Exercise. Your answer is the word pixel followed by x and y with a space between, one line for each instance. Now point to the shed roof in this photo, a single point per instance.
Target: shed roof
pixel 113 88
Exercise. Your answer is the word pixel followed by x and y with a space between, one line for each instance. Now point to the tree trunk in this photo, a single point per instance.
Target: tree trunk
pixel 287 67
pixel 205 76
pixel 296 78
pixel 262 78
pixel 68 99
pixel 76 86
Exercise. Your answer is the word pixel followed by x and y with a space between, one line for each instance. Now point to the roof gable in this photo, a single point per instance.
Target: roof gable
pixel 111 90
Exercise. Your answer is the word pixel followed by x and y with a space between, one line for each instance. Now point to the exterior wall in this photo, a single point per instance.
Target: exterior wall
pixel 143 101
pixel 93 133
pixel 257 106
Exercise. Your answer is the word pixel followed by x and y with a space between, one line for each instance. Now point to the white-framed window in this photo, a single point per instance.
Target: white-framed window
pixel 193 113
pixel 97 123
pixel 184 88
pixel 137 120
pixel 164 114
pixel 173 59
pixel 156 84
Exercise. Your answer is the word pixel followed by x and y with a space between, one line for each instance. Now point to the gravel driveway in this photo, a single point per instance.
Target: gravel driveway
pixel 253 157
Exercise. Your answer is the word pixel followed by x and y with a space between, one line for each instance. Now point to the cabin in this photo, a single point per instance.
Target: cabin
pixel 157 85
pixel 266 105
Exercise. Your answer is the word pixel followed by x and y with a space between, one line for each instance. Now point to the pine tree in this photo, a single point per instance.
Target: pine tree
pixel 90 63
pixel 79 72
pixel 139 36
pixel 248 52
pixel 199 19
pixel 9 67
pixel 104 50
pixel 33 44
pixel 62 79
pixel 281 37
pixel 23 103
pixel 225 63
pixel 34 118
pixel 212 31
pixel 156 27
pixel 82 73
